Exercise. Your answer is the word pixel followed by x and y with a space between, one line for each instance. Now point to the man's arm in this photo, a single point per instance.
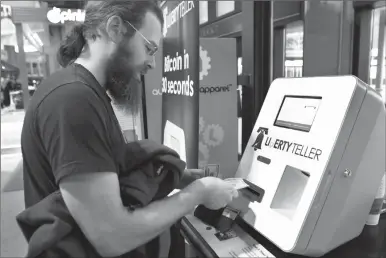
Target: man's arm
pixel 94 201
pixel 189 176
pixel 74 129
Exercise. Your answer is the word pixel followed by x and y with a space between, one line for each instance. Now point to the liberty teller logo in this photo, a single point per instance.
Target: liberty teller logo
pixel 285 146
pixel 260 138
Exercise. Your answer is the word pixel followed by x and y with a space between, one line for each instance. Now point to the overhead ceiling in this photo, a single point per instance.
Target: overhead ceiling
pixel 33 32
pixel 29 3
pixel 79 4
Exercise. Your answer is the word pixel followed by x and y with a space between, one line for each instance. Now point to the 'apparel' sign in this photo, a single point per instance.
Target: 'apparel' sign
pixel 218 124
pixel 215 89
pixel 57 15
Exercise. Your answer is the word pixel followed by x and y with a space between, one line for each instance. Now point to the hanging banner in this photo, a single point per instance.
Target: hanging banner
pixel 153 94
pixel 180 79
pixel 218 126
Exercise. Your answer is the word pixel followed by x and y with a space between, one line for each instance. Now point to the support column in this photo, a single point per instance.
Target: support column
pixel 23 76
pixel 362 44
pixel 279 52
pixel 12 57
pixel 46 44
pixel 257 61
pixel 381 52
pixel 328 34
pixel 55 40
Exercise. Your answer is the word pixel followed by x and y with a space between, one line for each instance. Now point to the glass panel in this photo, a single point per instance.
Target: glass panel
pixel 203 12
pixel 374 48
pixel 29 68
pixel 41 69
pixel 376 45
pixel 239 65
pixel 35 70
pixel 383 81
pixel 378 62
pixel 294 34
pixel 240 137
pixel 239 104
pixel 239 96
pixel 224 7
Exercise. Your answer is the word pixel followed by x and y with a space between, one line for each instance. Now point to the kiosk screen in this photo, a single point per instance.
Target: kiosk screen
pixel 298 112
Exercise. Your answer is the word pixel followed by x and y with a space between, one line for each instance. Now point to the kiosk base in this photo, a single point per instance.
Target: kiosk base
pixel 249 243
pixel 213 243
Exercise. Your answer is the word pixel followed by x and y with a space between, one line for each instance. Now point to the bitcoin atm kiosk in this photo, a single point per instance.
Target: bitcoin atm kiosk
pixel 317 154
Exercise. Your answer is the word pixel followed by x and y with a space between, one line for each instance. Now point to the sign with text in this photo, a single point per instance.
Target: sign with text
pixel 180 75
pixel 60 16
pixel 218 124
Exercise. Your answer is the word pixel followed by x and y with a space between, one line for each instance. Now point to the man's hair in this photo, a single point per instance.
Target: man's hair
pixel 97 14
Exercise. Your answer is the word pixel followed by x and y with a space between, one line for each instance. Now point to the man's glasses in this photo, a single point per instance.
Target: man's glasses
pixel 151 47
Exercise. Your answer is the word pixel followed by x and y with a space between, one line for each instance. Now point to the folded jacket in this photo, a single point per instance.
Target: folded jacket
pixel 148 172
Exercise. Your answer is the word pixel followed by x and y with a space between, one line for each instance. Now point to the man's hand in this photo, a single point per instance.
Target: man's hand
pixel 217 193
pixel 94 201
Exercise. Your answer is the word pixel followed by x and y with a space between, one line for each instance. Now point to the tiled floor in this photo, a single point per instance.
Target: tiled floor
pixel 13 243
pixel 11 126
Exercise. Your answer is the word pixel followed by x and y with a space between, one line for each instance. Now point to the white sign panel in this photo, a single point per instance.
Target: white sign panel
pixel 60 16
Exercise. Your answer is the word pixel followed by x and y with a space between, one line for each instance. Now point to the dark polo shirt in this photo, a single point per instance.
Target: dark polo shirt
pixel 69 127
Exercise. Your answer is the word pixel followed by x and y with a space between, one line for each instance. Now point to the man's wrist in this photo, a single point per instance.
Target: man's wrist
pixel 189 176
pixel 196 190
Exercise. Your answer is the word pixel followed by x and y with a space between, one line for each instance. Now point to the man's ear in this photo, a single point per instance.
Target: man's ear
pixel 115 29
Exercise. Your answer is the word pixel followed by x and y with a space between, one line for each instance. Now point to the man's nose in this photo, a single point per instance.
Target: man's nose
pixel 151 62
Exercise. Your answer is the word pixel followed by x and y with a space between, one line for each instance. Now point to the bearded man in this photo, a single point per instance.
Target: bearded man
pixel 72 141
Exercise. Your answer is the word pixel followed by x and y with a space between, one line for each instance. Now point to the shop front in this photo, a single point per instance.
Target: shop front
pixel 31 34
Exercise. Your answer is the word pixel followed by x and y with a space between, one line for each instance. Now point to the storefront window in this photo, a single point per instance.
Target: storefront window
pixel 29 69
pixel 377 62
pixel 35 70
pixel 23 4
pixel 240 99
pixel 383 80
pixel 203 12
pixel 224 7
pixel 239 65
pixel 36 40
pixel 42 69
pixel 294 33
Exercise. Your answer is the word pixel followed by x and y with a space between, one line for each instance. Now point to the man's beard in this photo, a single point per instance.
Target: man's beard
pixel 123 84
